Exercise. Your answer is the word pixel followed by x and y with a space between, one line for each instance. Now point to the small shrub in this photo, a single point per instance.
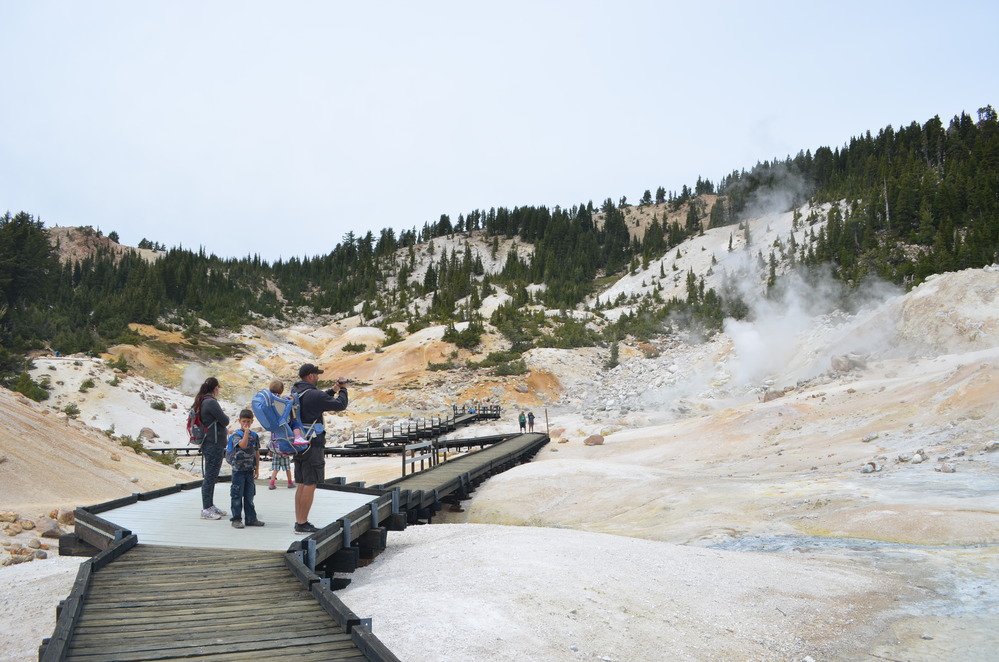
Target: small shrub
pixel 447 365
pixel 87 384
pixel 78 363
pixel 169 458
pixel 114 381
pixel 158 405
pixel 392 336
pixel 511 368
pixel 71 410
pixel 612 360
pixel 467 339
pixel 119 364
pixel 28 388
pixel 354 347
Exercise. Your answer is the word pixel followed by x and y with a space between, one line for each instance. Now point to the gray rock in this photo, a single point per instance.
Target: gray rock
pixel 945 467
pixel 869 468
pixel 48 528
pixel 41 554
pixel 991 446
pixel 148 433
pixel 870 437
pixel 917 458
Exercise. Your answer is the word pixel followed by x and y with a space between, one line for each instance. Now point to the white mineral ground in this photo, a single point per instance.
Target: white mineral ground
pixel 709 524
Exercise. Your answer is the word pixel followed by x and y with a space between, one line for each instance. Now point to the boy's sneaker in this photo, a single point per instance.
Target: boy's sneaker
pixel 208 513
pixel 220 513
pixel 238 524
pixel 308 527
pixel 255 523
pixel 291 486
pixel 271 486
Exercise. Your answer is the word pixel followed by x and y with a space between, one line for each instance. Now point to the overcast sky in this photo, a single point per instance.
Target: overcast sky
pixel 274 128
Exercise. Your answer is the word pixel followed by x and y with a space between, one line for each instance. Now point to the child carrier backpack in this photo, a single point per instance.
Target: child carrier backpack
pixel 279 416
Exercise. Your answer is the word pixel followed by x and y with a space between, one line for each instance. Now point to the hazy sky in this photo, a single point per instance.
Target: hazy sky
pixel 275 128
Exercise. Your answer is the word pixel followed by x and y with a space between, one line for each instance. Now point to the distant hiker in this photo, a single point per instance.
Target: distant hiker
pixel 243 453
pixel 522 419
pixel 279 461
pixel 214 423
pixel 310 466
pixel 530 421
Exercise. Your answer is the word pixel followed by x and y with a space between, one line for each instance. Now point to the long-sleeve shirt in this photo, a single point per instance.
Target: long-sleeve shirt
pixel 214 420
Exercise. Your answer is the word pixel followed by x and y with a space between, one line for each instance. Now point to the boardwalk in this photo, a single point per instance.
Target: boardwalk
pixel 174 520
pixel 199 589
pixel 156 604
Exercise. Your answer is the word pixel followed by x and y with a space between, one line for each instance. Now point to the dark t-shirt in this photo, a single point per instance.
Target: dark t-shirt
pixel 314 403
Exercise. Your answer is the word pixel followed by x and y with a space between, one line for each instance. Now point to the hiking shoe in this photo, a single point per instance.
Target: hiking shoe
pixel 208 513
pixel 308 527
pixel 220 513
pixel 255 523
pixel 238 524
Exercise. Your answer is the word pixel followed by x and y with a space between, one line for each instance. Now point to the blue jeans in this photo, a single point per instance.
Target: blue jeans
pixel 242 491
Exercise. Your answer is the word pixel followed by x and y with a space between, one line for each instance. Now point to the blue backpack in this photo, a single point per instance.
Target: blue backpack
pixel 232 445
pixel 279 416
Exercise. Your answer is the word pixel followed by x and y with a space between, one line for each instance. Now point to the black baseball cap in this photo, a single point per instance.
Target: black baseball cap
pixel 308 369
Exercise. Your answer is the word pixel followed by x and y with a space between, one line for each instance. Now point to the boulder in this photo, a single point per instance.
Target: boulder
pixel 9 516
pixel 847 362
pixel 66 516
pixel 148 434
pixel 115 457
pixel 869 468
pixel 39 554
pixel 594 440
pixel 49 528
pixel 917 458
pixel 34 543
pixel 12 529
pixel 945 467
pixel 522 388
pixel 26 524
pixel 561 440
pixel 991 446
pixel 870 437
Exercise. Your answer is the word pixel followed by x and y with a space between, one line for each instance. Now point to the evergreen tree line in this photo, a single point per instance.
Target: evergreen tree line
pixel 921 199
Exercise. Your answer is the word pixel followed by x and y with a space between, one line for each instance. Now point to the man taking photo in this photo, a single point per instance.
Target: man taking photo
pixel 310 466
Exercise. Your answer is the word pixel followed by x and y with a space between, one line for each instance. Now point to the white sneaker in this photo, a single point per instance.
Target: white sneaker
pixel 220 513
pixel 209 513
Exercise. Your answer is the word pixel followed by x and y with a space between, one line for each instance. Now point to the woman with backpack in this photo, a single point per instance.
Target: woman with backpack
pixel 213 422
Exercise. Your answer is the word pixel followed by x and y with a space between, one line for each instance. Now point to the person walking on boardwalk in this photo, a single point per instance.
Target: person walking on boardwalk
pixel 243 452
pixel 214 422
pixel 530 421
pixel 522 419
pixel 310 466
